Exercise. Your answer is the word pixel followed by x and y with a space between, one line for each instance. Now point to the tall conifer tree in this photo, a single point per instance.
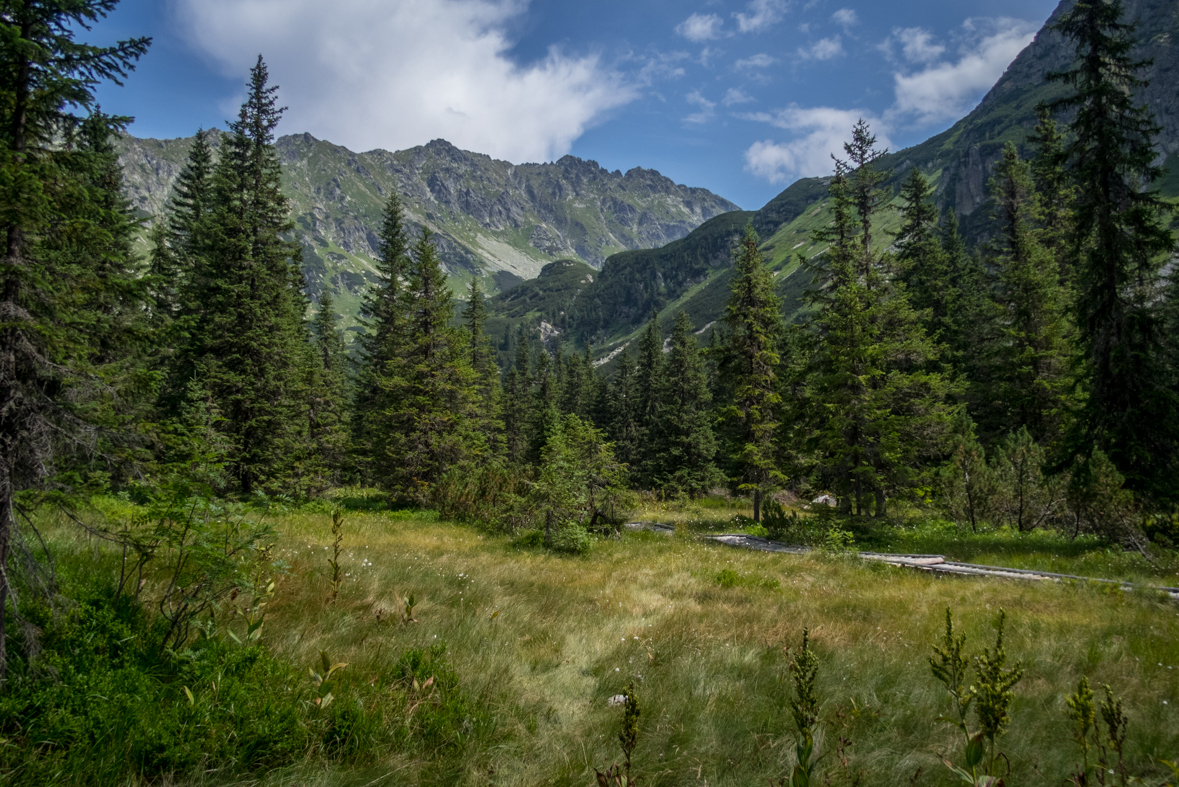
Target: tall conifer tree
pixel 50 379
pixel 753 316
pixel 383 315
pixel 1119 244
pixel 1029 358
pixel 965 324
pixel 328 410
pixel 624 410
pixel 648 386
pixel 1054 191
pixel 488 402
pixel 428 424
pixel 189 207
pixel 924 264
pixel 517 402
pixel 248 345
pixel 878 403
pixel 686 445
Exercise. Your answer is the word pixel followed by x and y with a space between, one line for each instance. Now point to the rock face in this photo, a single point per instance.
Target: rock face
pixel 1007 112
pixel 490 216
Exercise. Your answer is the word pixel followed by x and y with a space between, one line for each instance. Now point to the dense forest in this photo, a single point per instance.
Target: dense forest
pixel 1030 382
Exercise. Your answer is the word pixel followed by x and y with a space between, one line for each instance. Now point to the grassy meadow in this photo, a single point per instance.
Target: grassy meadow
pixel 540 642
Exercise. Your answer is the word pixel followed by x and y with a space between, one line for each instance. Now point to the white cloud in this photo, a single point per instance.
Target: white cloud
pixel 736 95
pixel 819 133
pixel 664 65
pixel 707 108
pixel 761 15
pixel 947 90
pixel 700 27
pixel 760 60
pixel 940 91
pixel 823 49
pixel 845 17
pixel 917 44
pixel 395 74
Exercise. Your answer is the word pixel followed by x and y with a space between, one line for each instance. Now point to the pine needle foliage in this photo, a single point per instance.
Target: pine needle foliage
pixel 1030 352
pixel 427 424
pixel 379 345
pixel 248 343
pixel 753 317
pixel 65 278
pixel 877 410
pixel 1120 241
pixel 686 445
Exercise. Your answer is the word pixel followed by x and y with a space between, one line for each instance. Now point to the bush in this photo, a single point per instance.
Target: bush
pixel 103 704
pixel 570 538
pixel 102 700
pixel 822 530
pixel 579 487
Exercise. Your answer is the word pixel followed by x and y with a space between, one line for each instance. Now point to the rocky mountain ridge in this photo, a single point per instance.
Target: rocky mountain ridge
pixel 492 218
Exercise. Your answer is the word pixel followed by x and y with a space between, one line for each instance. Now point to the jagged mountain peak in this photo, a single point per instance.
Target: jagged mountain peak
pixel 491 218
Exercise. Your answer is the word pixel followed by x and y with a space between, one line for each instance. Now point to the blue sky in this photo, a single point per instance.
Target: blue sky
pixel 738 96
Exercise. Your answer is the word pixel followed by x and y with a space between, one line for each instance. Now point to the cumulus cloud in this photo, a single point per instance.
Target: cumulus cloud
pixel 917 44
pixel 760 60
pixel 700 27
pixel 707 108
pixel 760 15
pixel 845 17
pixel 823 49
pixel 736 96
pixel 941 90
pixel 819 133
pixel 947 90
pixel 400 73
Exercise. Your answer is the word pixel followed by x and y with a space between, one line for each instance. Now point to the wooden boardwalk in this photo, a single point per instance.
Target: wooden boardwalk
pixel 932 563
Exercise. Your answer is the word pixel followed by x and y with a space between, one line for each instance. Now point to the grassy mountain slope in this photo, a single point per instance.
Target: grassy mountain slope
pixel 492 218
pixel 958 161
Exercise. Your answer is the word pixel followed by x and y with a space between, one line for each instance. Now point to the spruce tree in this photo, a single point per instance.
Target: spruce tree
pixel 51 381
pixel 648 386
pixel 1119 244
pixel 162 272
pixel 753 316
pixel 1029 358
pixel 482 360
pixel 179 241
pixel 248 344
pixel 686 445
pixel 578 391
pixel 328 410
pixel 189 207
pixel 517 401
pixel 624 410
pixel 383 315
pixel 1054 192
pixel 878 408
pixel 544 415
pixel 966 323
pixel 428 425
pixel 924 264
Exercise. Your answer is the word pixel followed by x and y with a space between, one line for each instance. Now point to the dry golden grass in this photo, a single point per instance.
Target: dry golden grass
pixel 543 641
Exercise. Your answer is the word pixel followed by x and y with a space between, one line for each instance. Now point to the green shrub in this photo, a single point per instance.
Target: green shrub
pixel 103 704
pixel 570 538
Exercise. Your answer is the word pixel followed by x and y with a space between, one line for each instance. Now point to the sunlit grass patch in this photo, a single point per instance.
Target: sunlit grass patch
pixel 539 642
